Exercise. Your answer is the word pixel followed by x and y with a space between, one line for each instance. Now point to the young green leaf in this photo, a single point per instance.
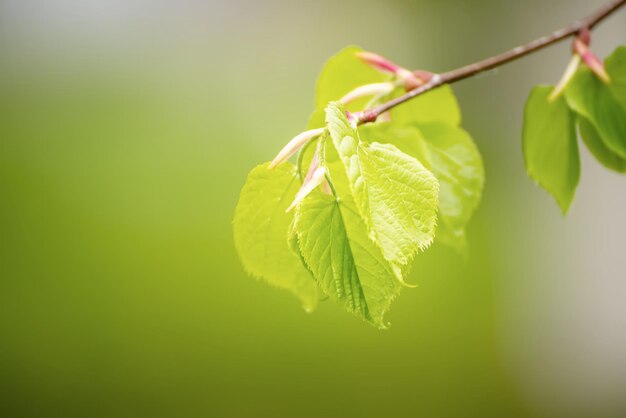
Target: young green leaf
pixel 395 195
pixel 549 145
pixel 347 265
pixel 596 146
pixel 260 228
pixel 616 68
pixel 451 155
pixel 436 106
pixel 592 99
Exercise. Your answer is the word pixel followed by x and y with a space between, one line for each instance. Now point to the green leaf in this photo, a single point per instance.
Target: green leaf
pixel 347 265
pixel 395 195
pixel 549 145
pixel 451 155
pixel 455 239
pixel 596 146
pixel 435 106
pixel 592 99
pixel 261 228
pixel 406 138
pixel 616 68
pixel 457 164
pixel 342 73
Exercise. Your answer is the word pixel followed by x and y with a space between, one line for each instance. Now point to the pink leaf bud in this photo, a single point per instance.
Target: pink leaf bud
pixel 591 60
pixel 378 62
pixel 410 79
pixel 295 145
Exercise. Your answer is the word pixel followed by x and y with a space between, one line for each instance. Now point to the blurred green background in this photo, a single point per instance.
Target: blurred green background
pixel 126 131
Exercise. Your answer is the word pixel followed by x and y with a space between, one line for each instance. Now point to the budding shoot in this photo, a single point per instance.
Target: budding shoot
pixel 594 63
pixel 295 145
pixel 378 62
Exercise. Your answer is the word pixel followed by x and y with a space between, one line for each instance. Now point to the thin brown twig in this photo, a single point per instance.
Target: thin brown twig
pixel 470 70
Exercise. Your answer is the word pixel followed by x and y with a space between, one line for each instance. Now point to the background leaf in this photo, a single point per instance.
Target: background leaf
pixel 592 99
pixel 549 145
pixel 451 155
pixel 616 68
pixel 596 146
pixel 261 230
pixel 436 106
pixel 406 138
pixel 457 164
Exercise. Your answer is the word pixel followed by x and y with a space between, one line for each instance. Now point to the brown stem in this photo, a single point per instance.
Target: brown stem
pixel 470 70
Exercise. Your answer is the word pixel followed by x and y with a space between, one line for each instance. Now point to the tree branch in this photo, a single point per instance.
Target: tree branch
pixel 493 62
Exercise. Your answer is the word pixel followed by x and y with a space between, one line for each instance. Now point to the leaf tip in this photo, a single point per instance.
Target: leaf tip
pixel 377 62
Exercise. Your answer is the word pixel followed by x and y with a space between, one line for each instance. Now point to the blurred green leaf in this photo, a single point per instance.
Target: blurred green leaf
pixel 395 194
pixel 406 138
pixel 436 106
pixel 261 229
pixel 457 164
pixel 592 99
pixel 616 68
pixel 451 155
pixel 348 266
pixel 596 146
pixel 342 73
pixel 549 145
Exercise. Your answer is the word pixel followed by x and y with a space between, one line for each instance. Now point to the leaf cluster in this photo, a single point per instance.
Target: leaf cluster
pixel 595 108
pixel 392 188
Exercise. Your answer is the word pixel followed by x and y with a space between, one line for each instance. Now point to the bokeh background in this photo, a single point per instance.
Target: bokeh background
pixel 127 128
